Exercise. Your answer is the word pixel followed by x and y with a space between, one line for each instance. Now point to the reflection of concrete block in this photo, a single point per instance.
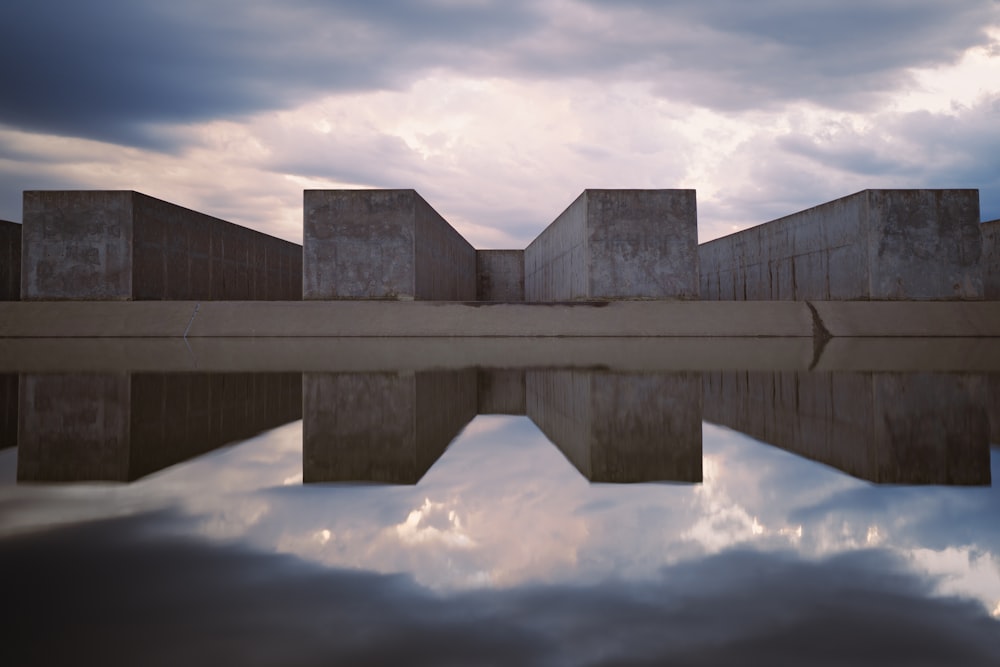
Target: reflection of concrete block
pixel 501 392
pixel 621 427
pixel 123 426
pixel 382 244
pixel 381 427
pixel 875 244
pixel 8 410
pixel 121 245
pixel 500 275
pixel 617 244
pixel 10 261
pixel 888 428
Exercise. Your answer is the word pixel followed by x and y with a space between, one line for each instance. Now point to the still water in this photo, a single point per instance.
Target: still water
pixel 532 515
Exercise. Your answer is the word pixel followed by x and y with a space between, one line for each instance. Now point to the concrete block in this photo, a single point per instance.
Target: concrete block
pixel 10 261
pixel 617 244
pixel 991 259
pixel 500 275
pixel 382 244
pixel 123 426
pixel 123 245
pixel 887 428
pixel 381 427
pixel 872 245
pixel 621 427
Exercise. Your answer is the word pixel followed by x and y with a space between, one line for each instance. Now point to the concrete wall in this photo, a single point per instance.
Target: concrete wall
pixel 887 428
pixel 123 245
pixel 382 244
pixel 500 275
pixel 621 427
pixel 381 427
pixel 617 244
pixel 875 244
pixel 991 259
pixel 123 426
pixel 10 261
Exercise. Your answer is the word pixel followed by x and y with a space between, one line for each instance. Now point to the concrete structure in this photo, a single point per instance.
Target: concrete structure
pixel 875 244
pixel 123 426
pixel 991 259
pixel 500 275
pixel 10 261
pixel 381 427
pixel 382 244
pixel 621 427
pixel 617 244
pixel 887 428
pixel 123 245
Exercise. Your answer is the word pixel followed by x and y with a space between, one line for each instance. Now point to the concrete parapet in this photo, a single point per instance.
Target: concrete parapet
pixel 499 275
pixel 872 245
pixel 382 244
pixel 123 426
pixel 10 261
pixel 991 259
pixel 123 245
pixel 617 244
pixel 887 428
pixel 621 427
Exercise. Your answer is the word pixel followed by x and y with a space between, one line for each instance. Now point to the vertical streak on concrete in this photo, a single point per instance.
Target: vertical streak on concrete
pixel 991 259
pixel 10 261
pixel 500 275
pixel 887 428
pixel 617 244
pixel 621 427
pixel 875 244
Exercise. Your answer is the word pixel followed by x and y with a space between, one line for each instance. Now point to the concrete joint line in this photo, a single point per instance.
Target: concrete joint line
pixel 191 321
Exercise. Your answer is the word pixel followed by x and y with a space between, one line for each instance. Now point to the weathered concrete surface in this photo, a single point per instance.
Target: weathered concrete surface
pixel 617 427
pixel 499 275
pixel 991 259
pixel 123 426
pixel 8 410
pixel 875 244
pixel 123 245
pixel 501 392
pixel 381 427
pixel 909 318
pixel 888 428
pixel 382 244
pixel 10 261
pixel 617 244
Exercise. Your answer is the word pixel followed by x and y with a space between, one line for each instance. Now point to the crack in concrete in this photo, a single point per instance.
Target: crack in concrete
pixel 191 321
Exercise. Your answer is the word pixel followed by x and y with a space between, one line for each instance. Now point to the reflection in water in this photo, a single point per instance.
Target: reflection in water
pixel 914 428
pixel 123 426
pixel 8 410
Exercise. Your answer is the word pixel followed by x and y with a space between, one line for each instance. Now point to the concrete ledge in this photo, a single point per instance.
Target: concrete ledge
pixel 907 318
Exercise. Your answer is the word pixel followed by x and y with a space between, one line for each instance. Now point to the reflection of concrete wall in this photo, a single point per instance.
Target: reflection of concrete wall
pixel 902 428
pixel 8 410
pixel 621 427
pixel 991 259
pixel 383 244
pixel 381 427
pixel 501 392
pixel 875 244
pixel 617 244
pixel 10 261
pixel 993 406
pixel 500 275
pixel 125 245
pixel 122 426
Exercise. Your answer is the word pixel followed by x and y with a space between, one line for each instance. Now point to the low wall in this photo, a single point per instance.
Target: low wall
pixel 875 244
pixel 991 259
pixel 10 261
pixel 123 245
pixel 382 244
pixel 617 244
pixel 500 275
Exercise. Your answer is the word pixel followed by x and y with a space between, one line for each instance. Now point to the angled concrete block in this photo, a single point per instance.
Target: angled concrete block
pixel 617 244
pixel 875 244
pixel 10 261
pixel 382 244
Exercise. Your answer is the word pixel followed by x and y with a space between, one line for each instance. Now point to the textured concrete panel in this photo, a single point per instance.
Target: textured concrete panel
pixel 621 427
pixel 991 259
pixel 500 275
pixel 10 261
pixel 382 244
pixel 381 427
pixel 125 245
pixel 887 428
pixel 875 244
pixel 617 244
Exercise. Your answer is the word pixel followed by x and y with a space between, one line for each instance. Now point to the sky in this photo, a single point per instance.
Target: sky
pixel 499 112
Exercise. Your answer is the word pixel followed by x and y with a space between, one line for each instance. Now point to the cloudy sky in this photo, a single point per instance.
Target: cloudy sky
pixel 499 112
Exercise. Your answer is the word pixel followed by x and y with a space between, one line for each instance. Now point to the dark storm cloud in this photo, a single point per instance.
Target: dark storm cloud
pixel 119 592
